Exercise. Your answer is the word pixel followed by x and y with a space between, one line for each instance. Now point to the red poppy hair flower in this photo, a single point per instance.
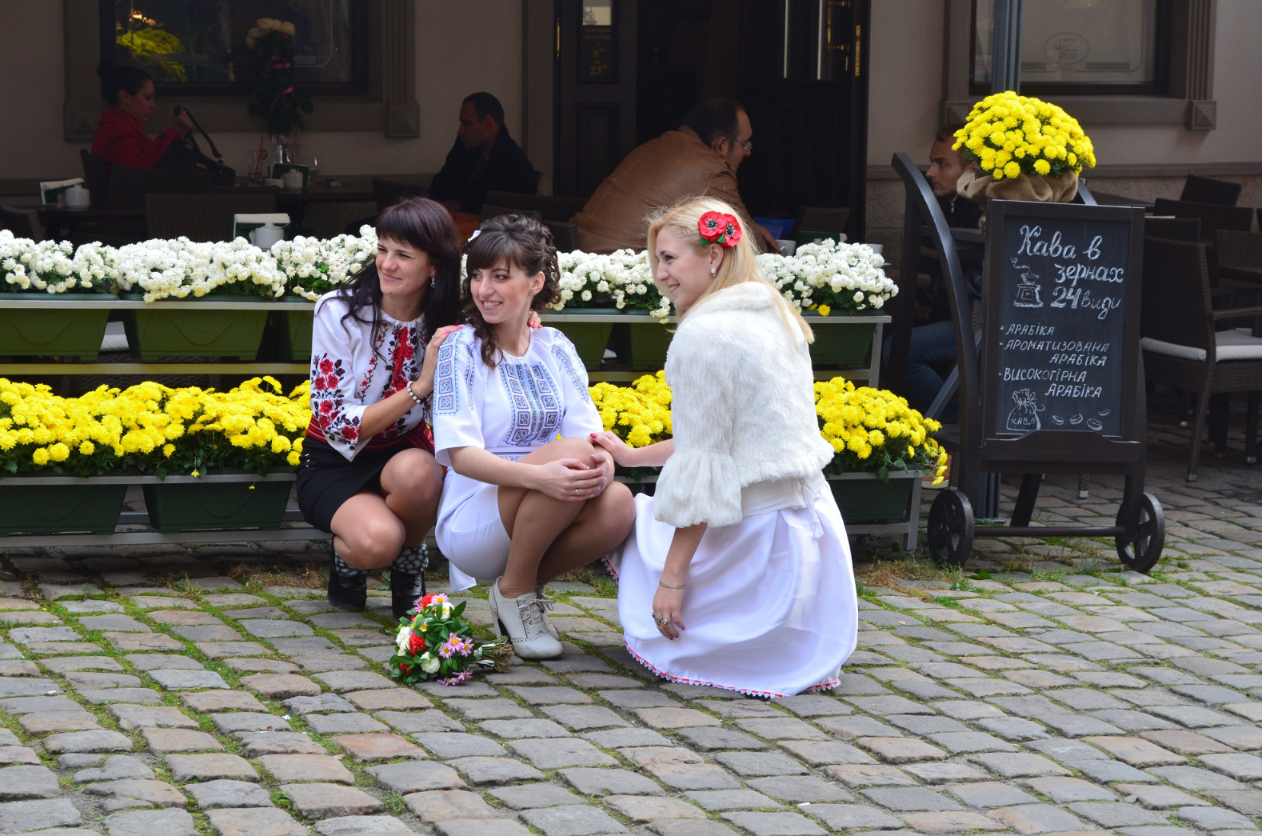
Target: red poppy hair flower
pixel 719 228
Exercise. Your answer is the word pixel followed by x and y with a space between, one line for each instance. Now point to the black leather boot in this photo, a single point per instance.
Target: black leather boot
pixel 407 578
pixel 348 586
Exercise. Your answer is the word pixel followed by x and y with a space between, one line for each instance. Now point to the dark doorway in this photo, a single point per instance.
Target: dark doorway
pixel 799 67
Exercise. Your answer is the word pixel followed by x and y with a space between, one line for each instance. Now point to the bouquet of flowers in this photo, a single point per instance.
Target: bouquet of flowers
pixel 435 642
pixel 830 276
pixel 276 100
pixel 1007 135
pixel 163 269
pixel 313 267
pixel 875 431
pixel 152 429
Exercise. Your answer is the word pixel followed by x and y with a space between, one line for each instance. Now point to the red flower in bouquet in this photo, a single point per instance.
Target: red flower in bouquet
pixel 719 228
pixel 416 645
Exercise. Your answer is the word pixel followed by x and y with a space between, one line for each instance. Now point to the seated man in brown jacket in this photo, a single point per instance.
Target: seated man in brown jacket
pixel 700 158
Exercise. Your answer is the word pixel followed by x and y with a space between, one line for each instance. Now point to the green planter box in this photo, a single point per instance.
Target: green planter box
pixel 590 338
pixel 195 332
pixel 53 332
pixel 838 342
pixel 293 331
pixel 863 498
pixel 58 509
pixel 192 506
pixel 642 345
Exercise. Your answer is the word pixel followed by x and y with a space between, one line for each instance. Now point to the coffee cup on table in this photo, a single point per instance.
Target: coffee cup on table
pixel 292 180
pixel 265 236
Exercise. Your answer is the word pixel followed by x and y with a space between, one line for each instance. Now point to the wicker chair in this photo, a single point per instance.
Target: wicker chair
pixel 1183 346
pixel 23 223
pixel 1212 218
pixel 96 176
pixel 564 235
pixel 818 222
pixel 494 211
pixel 1205 190
pixel 390 192
pixel 550 208
pixel 202 217
pixel 126 187
pixel 1176 229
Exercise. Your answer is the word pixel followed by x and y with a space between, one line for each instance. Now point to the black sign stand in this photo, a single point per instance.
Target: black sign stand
pixel 1059 385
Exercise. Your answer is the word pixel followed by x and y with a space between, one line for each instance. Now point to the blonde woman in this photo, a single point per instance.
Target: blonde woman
pixel 738 573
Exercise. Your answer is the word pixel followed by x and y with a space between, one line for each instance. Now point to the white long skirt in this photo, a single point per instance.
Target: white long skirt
pixel 770 608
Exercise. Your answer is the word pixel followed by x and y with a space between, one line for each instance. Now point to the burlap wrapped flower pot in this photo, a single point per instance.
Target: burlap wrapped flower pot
pixel 982 188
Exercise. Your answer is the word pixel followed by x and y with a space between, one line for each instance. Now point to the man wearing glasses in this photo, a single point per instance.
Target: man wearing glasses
pixel 700 158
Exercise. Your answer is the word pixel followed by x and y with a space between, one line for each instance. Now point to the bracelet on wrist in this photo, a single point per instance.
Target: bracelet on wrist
pixel 672 586
pixel 413 396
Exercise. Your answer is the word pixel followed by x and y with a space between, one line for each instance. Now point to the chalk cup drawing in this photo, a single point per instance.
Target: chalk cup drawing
pixel 1027 292
pixel 1024 417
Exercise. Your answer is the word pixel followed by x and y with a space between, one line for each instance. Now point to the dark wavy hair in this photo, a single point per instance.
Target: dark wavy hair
pixel 515 241
pixel 428 227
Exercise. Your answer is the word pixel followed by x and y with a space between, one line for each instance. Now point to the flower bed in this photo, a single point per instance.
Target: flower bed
pixel 151 429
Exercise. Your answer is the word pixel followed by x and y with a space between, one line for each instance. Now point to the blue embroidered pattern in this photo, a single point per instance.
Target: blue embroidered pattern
pixel 567 358
pixel 537 409
pixel 446 397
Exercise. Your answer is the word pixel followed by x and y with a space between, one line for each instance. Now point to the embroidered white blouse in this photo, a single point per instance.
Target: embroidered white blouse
pixel 522 404
pixel 351 370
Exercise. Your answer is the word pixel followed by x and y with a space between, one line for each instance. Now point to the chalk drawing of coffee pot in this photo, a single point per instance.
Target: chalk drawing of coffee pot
pixel 1024 417
pixel 1028 291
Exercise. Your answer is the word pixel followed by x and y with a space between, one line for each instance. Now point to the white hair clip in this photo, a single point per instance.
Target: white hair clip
pixel 475 234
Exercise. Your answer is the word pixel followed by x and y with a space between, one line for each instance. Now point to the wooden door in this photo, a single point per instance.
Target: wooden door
pixel 595 96
pixel 804 83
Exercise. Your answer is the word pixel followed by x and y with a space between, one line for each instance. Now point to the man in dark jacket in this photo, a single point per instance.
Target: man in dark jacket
pixel 484 159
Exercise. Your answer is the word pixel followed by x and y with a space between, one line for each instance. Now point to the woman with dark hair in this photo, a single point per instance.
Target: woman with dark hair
pixel 120 136
pixel 528 497
pixel 368 474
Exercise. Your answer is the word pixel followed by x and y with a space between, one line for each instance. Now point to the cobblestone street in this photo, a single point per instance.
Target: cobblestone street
pixel 165 691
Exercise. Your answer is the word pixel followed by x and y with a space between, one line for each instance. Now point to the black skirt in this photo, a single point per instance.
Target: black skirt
pixel 326 479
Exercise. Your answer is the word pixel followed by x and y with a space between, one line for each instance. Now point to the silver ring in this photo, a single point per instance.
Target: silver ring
pixel 662 622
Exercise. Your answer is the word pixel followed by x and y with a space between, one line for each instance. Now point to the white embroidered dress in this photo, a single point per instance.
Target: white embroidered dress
pixel 520 405
pixel 351 370
pixel 770 606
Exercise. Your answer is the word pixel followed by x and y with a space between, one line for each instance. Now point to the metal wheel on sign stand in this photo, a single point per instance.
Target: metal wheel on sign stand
pixel 1142 553
pixel 950 528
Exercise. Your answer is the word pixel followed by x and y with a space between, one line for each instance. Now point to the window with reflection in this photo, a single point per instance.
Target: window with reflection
pixel 1081 47
pixel 204 47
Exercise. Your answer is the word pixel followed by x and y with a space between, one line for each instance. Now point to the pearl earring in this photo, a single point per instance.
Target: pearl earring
pixel 714 271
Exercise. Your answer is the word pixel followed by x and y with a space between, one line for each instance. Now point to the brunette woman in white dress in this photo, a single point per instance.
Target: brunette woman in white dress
pixel 521 505
pixel 368 473
pixel 738 572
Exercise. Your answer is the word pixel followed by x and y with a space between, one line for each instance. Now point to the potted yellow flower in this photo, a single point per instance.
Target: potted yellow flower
pixel 638 414
pixel 881 446
pixel 1021 148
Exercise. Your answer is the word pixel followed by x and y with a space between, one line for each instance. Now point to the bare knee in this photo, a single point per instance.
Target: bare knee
pixel 375 542
pixel 413 475
pixel 618 508
pixel 574 448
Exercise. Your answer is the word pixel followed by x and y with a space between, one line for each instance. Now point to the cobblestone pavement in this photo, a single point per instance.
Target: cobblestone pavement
pixel 146 692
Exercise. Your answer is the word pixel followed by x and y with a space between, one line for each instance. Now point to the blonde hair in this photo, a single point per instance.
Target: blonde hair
pixel 739 265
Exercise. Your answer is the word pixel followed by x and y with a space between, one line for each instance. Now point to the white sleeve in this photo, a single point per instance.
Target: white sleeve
pixel 699 482
pixel 333 404
pixel 581 418
pixel 458 396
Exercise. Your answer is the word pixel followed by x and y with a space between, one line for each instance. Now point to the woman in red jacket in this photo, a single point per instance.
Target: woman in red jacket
pixel 120 137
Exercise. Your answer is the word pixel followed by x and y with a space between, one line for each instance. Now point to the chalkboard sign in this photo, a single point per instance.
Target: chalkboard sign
pixel 1060 349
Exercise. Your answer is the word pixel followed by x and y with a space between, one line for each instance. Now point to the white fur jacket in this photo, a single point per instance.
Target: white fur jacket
pixel 742 407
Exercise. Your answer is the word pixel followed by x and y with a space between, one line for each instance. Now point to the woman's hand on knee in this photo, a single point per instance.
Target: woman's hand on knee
pixel 570 480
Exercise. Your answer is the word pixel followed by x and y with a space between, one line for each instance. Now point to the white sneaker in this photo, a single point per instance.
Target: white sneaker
pixel 548 604
pixel 523 621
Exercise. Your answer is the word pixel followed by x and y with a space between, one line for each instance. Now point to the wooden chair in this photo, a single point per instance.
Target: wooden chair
pixel 549 207
pixel 820 222
pixel 389 192
pixel 202 217
pixel 494 211
pixel 1206 190
pixel 1176 229
pixel 126 187
pixel 23 223
pixel 1184 346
